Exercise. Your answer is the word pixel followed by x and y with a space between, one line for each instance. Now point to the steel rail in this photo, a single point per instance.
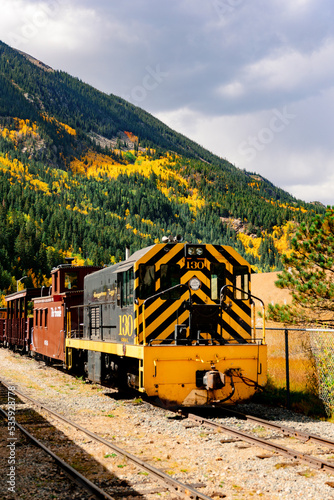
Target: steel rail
pixel 174 485
pixel 73 474
pixel 317 463
pixel 285 430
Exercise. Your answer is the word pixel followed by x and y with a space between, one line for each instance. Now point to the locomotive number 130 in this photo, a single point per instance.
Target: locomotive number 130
pixel 195 264
pixel 126 325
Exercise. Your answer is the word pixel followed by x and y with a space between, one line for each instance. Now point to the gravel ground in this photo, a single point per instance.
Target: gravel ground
pixel 225 467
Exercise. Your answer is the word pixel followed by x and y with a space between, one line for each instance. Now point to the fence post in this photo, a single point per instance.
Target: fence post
pixel 287 372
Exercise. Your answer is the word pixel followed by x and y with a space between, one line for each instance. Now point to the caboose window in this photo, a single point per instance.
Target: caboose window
pixel 146 281
pixel 241 282
pixel 217 279
pixel 71 281
pixel 45 318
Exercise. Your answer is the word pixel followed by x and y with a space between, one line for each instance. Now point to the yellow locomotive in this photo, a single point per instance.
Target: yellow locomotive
pixel 176 321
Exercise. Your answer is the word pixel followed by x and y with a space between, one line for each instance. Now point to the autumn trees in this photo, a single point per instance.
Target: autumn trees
pixel 61 190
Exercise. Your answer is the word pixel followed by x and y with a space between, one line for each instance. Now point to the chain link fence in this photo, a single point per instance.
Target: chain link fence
pixel 302 360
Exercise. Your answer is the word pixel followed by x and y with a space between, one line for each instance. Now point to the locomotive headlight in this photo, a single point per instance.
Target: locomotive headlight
pixel 199 251
pixel 194 284
pixel 191 251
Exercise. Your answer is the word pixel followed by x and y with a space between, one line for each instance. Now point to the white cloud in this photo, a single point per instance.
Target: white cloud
pixel 286 145
pixel 291 70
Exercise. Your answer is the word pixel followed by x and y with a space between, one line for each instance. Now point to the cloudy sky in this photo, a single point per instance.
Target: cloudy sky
pixel 250 80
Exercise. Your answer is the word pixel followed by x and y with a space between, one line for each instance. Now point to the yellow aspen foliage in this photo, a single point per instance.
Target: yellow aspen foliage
pixel 67 128
pixel 286 205
pixel 19 173
pixel 254 185
pixel 280 235
pixel 2 300
pixel 40 185
pixel 20 128
pixel 34 278
pixel 96 165
pixel 250 244
pixel 147 221
pixel 83 211
pixel 78 259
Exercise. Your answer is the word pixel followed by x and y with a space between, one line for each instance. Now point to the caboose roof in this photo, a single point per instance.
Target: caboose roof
pixel 69 267
pixel 28 293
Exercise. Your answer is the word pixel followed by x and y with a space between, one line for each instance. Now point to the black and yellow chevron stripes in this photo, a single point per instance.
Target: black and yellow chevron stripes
pixel 155 322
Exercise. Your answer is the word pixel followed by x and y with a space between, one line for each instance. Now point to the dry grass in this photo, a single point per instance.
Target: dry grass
pixel 304 388
pixel 300 364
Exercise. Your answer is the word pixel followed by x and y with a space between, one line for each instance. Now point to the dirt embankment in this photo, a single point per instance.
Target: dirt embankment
pixel 263 286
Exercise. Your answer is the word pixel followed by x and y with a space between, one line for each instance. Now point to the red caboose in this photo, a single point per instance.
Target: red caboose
pixel 19 318
pixel 52 313
pixel 3 316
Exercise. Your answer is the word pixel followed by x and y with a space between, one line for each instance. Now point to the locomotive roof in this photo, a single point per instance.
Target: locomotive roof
pixel 126 264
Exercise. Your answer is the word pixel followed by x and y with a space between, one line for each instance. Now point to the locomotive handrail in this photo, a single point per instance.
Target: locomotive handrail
pixel 155 296
pixel 222 296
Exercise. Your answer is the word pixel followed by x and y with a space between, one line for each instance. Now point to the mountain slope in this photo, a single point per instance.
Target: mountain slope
pixel 87 173
pixel 83 107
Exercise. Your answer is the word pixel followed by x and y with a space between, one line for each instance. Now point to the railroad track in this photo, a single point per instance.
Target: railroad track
pixel 71 473
pixel 176 487
pixel 190 452
pixel 285 430
pixel 315 462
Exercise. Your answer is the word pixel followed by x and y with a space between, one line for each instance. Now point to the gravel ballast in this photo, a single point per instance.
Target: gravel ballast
pixel 220 466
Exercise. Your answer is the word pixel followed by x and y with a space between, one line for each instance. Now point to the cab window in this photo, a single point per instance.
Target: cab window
pixel 241 282
pixel 125 284
pixel 127 287
pixel 169 276
pixel 217 279
pixel 146 281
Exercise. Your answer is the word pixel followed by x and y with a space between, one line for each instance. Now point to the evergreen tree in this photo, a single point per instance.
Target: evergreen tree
pixel 309 272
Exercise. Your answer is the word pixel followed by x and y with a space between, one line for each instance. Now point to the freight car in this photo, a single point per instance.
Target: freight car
pixel 176 321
